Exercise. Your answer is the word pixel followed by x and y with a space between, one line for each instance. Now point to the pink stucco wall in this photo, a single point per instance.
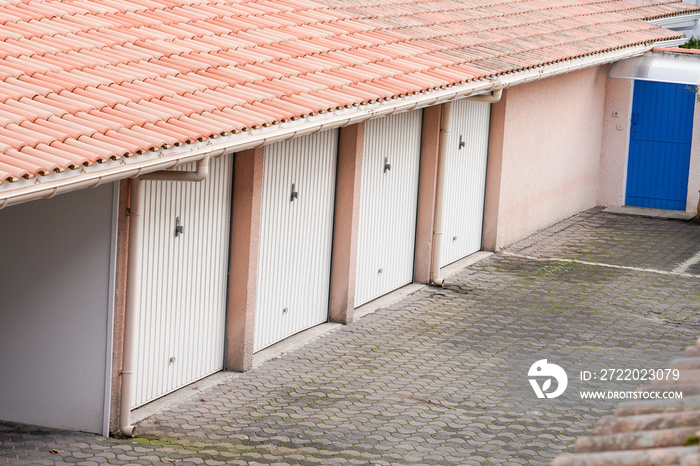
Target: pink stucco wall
pixel 547 136
pixel 613 158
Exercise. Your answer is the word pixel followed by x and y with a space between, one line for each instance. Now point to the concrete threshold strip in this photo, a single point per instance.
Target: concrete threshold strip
pixel 196 389
pixel 678 271
pixel 649 213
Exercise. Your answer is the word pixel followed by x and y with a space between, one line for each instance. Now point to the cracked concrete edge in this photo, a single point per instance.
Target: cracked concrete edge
pixel 387 299
pixel 651 213
pixel 181 394
pixel 465 262
pixel 411 288
pixel 292 343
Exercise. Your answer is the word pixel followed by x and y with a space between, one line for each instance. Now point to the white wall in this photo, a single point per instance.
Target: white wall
pixel 56 295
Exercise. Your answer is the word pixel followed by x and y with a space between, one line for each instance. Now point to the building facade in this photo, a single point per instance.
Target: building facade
pixel 222 196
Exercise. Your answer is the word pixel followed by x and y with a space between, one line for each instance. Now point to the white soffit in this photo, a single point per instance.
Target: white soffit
pixel 669 68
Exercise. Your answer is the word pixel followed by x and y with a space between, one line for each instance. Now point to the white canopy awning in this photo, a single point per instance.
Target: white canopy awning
pixel 666 67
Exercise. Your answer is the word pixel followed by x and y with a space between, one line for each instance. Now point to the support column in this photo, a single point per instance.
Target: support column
pixel 346 224
pixel 119 302
pixel 493 174
pixel 245 237
pixel 427 193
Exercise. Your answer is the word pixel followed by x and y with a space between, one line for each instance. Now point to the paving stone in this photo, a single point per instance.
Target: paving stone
pixel 441 376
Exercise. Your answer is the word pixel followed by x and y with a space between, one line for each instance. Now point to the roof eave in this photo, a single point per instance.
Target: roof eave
pixel 671 43
pixel 679 21
pixel 58 183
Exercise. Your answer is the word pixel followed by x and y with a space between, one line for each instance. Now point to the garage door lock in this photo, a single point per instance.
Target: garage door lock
pixel 179 229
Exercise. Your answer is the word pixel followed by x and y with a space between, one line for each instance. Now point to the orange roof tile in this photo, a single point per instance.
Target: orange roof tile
pixel 84 81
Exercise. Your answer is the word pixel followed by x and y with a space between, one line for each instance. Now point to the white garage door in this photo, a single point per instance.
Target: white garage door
pixel 465 182
pixel 180 330
pixel 388 205
pixel 296 232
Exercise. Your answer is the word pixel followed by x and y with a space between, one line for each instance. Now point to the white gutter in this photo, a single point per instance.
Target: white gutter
pixel 90 177
pixel 671 43
pixel 685 24
pixel 680 22
pixel 492 98
pixel 133 280
pixel 445 123
pixel 199 174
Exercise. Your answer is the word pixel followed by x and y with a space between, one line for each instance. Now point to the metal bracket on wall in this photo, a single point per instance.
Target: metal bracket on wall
pixel 387 165
pixel 295 193
pixel 179 229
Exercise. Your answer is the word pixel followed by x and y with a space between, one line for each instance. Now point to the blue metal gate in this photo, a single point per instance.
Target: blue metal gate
pixel 660 139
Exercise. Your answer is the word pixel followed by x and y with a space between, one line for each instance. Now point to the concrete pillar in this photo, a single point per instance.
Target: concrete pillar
pixel 427 193
pixel 119 302
pixel 493 174
pixel 346 225
pixel 245 237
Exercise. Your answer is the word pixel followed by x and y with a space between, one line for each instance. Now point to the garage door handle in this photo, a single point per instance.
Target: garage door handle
pixel 295 193
pixel 179 229
pixel 387 165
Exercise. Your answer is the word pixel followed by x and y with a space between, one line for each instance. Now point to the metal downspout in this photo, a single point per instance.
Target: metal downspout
pixel 492 98
pixel 201 172
pixel 445 123
pixel 133 281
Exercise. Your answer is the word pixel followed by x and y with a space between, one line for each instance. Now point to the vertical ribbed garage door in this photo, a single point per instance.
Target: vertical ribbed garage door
pixel 388 205
pixel 296 232
pixel 465 180
pixel 180 330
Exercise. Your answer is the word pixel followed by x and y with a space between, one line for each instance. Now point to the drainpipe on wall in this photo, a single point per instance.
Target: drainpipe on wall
pixel 133 280
pixel 445 123
pixel 492 98
pixel 199 174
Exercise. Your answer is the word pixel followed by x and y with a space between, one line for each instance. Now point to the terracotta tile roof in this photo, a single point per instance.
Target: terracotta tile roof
pixel 91 81
pixel 648 432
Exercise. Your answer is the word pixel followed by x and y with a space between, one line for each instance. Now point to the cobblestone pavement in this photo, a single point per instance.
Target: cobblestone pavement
pixel 441 376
